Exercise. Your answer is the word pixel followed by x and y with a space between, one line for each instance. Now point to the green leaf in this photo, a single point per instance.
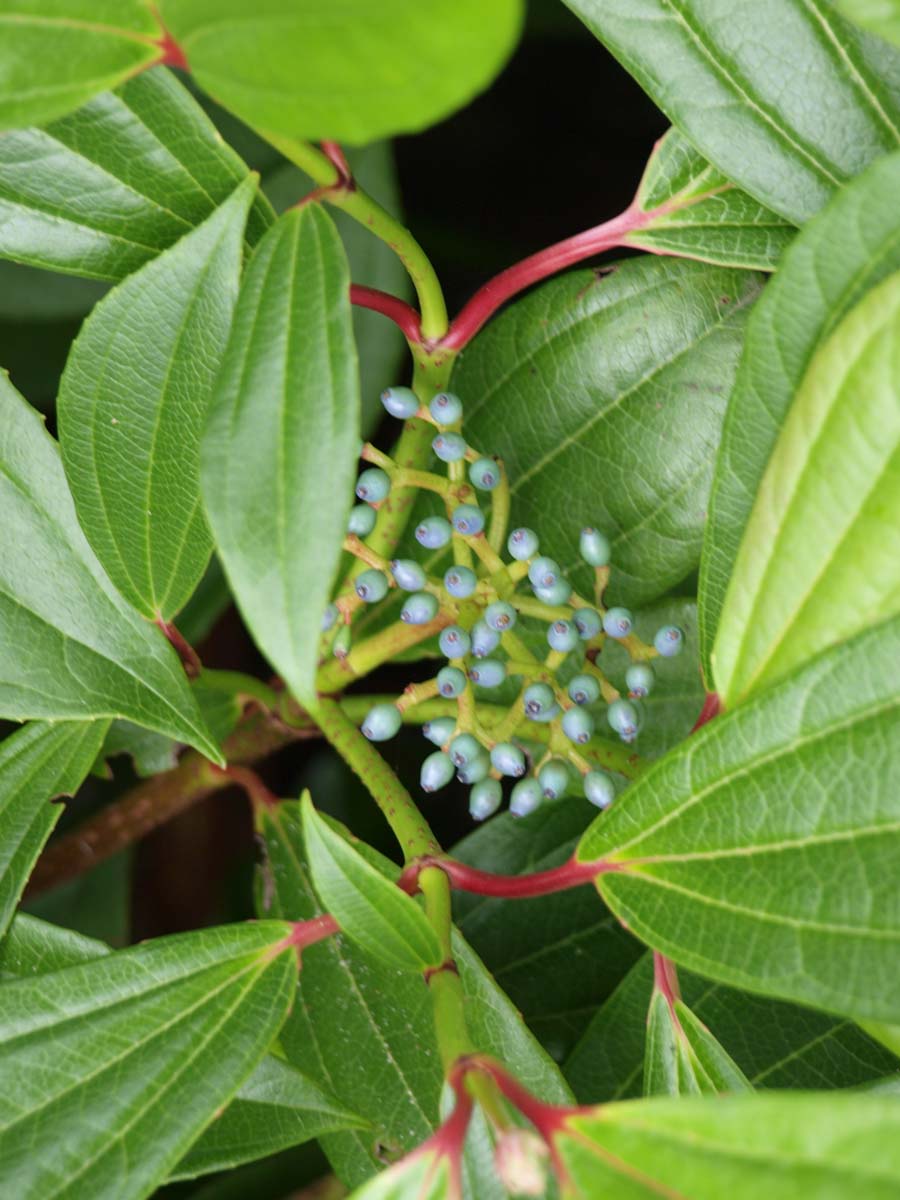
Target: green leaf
pixel 730 78
pixel 123 1060
pixel 132 405
pixel 150 753
pixel 368 907
pixel 704 1066
pixel 105 189
pixel 848 249
pixel 701 214
pixel 423 1175
pixel 764 851
pixel 279 455
pixel 880 16
pixel 775 1044
pixel 820 557
pixel 781 1147
pixel 55 54
pixel 358 73
pixel 37 763
pixel 562 382
pixel 70 647
pixel 35 947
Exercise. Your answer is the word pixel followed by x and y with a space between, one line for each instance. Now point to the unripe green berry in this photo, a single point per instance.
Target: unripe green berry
pixel 439 731
pixel 408 575
pixel 538 699
pixel 342 641
pixel 500 616
pixel 464 748
pixel 544 572
pixel 484 474
pixel 669 641
pixel 468 520
pixel 588 622
pixel 562 636
pixel 381 723
pixel 618 622
pixel 433 532
pixel 488 673
pixel 553 778
pixel 449 447
pixel 578 725
pixel 401 402
pixel 624 718
pixel 446 408
pixel 594 547
pixel 454 642
pixel 419 608
pixel 526 796
pixel 475 769
pixel 584 689
pixel 373 485
pixel 451 682
pixel 484 799
pixel 639 679
pixel 460 582
pixel 437 771
pixel 599 789
pixel 329 616
pixel 558 594
pixel 508 760
pixel 361 520
pixel 371 585
pixel 484 639
pixel 522 544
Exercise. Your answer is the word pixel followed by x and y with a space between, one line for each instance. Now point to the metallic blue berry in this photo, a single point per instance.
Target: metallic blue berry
pixel 522 544
pixel 484 799
pixel 488 673
pixel 468 519
pixel 549 715
pixel 578 725
pixel 584 689
pixel 544 572
pixel 371 585
pixel 562 636
pixel 451 682
pixel 525 798
pixel 433 533
pixel 437 771
pixel 484 474
pixel 400 402
pixel 508 760
pixel 419 608
pixel 449 447
pixel 594 547
pixel 624 718
pixel 618 622
pixel 484 639
pixel 439 731
pixel 407 574
pixel 464 748
pixel 639 679
pixel 553 778
pixel 460 582
pixel 599 789
pixel 381 723
pixel 476 769
pixel 446 408
pixel 454 642
pixel 538 699
pixel 361 520
pixel 588 622
pixel 373 485
pixel 558 594
pixel 329 616
pixel 669 641
pixel 500 616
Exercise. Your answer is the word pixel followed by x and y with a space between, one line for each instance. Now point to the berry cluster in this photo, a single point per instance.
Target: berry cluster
pixel 480 608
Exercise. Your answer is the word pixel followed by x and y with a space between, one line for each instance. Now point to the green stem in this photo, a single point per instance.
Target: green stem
pixel 376 650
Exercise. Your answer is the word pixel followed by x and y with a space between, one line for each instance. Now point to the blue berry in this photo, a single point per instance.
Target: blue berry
pixel 553 778
pixel 446 408
pixel 371 585
pixel 562 636
pixel 578 725
pixel 618 622
pixel 373 485
pixel 451 682
pixel 381 722
pixel 439 731
pixel 588 622
pixel 342 640
pixel 460 582
pixel 329 616
pixel 594 547
pixel 484 639
pixel 500 616
pixel 584 689
pixel 400 402
pixel 558 594
pixel 624 718
pixel 475 769
pixel 454 642
pixel 544 572
pixel 407 574
pixel 599 789
pixel 538 699
pixel 484 799
pixel 488 673
pixel 508 760
pixel 361 520
pixel 522 544
pixel 484 474
pixel 449 447
pixel 437 771
pixel 525 798
pixel 468 519
pixel 639 679
pixel 433 532
pixel 548 715
pixel 419 608
pixel 464 748
pixel 669 641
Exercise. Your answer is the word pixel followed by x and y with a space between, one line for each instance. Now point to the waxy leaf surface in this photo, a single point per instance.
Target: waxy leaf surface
pixel 880 16
pixel 682 1058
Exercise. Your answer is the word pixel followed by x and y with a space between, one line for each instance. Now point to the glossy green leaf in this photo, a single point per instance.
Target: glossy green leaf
pixel 133 403
pixel 782 1147
pixel 150 753
pixel 38 763
pixel 820 557
pixel 121 1061
pixel 424 1175
pixel 697 213
pixel 682 1057
pixel 369 908
pixel 848 249
pixel 34 947
pixel 69 644
pixel 764 852
pixel 355 73
pixel 604 396
pixel 55 54
pixel 879 16
pixel 788 100
pixel 279 455
pixel 105 189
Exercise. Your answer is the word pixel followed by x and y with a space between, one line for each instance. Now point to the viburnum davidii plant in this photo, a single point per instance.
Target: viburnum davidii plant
pixel 602 576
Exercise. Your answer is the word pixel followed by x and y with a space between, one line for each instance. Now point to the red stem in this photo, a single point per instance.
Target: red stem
pixel 190 659
pixel 256 790
pixel 398 311
pixel 338 160
pixel 712 706
pixel 307 933
pixel 509 887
